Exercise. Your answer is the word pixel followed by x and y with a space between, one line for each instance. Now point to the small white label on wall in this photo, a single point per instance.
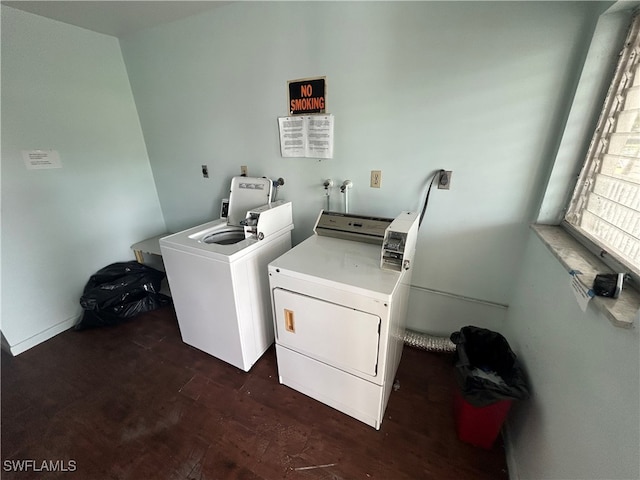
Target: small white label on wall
pixel 39 159
pixel 582 293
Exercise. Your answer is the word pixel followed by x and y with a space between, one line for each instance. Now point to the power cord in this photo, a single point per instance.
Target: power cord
pixel 426 200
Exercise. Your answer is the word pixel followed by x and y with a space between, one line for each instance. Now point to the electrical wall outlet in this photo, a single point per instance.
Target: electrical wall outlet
pixel 376 178
pixel 205 171
pixel 444 181
pixel 244 171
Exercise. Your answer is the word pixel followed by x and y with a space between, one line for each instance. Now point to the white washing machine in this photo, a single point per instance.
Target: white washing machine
pixel 217 274
pixel 340 301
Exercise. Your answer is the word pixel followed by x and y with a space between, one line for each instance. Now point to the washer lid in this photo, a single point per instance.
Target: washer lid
pixel 246 194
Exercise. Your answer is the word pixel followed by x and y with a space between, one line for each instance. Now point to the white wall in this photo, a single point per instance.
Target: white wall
pixel 583 418
pixel 65 88
pixel 474 87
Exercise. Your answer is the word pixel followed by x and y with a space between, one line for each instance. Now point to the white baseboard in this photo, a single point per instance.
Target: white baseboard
pixel 38 338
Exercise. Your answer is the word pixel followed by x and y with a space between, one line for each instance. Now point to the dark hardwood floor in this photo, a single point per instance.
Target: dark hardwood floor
pixel 134 402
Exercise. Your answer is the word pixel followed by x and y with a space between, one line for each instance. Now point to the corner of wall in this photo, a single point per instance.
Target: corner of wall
pixel 4 344
pixel 512 465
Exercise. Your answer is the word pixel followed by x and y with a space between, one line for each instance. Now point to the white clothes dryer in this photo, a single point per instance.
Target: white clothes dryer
pixel 217 274
pixel 340 303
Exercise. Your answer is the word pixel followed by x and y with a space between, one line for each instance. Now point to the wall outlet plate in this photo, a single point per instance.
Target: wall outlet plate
pixel 444 180
pixel 244 171
pixel 376 178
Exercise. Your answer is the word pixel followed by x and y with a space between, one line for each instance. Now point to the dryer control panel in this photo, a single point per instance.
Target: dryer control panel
pixel 396 236
pixel 346 226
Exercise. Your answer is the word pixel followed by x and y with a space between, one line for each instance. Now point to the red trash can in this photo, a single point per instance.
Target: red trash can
pixel 479 426
pixel 490 379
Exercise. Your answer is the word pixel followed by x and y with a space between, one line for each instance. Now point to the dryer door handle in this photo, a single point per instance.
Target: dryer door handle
pixel 289 322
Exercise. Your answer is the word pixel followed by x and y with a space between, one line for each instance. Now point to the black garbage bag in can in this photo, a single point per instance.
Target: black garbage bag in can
pixel 490 379
pixel 487 370
pixel 120 291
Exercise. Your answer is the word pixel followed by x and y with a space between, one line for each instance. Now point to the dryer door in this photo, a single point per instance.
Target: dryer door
pixel 339 336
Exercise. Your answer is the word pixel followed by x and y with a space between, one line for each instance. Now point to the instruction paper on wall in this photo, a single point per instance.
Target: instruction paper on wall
pixel 41 159
pixel 306 136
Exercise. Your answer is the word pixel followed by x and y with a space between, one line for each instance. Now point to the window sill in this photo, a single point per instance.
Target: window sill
pixel 621 311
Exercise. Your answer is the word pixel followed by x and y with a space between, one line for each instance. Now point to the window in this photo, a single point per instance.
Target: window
pixel 605 206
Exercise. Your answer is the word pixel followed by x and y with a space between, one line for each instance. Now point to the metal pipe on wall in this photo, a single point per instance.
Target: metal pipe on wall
pixel 346 185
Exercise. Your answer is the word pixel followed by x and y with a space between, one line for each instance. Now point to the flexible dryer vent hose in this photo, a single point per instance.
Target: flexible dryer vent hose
pixel 427 342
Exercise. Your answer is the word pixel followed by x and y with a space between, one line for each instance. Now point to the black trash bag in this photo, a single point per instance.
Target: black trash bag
pixel 487 370
pixel 120 291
